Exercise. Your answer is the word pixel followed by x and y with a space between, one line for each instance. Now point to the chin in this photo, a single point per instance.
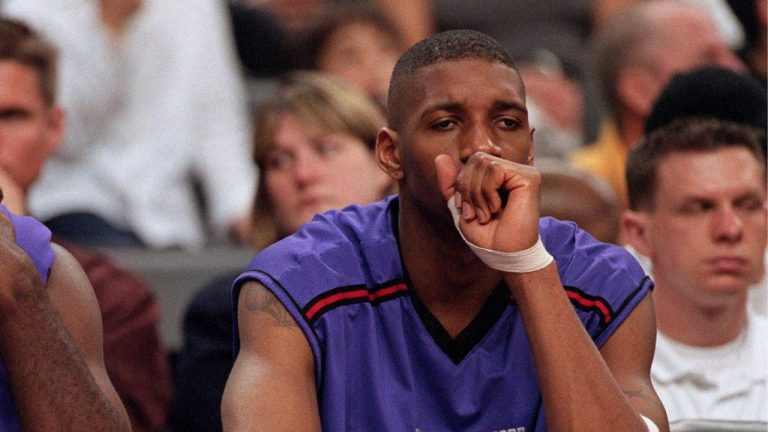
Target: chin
pixel 728 286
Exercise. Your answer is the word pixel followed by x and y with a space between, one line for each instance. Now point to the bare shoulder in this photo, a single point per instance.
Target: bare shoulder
pixel 73 298
pixel 272 384
pixel 71 291
pixel 269 334
pixel 257 300
pixel 75 301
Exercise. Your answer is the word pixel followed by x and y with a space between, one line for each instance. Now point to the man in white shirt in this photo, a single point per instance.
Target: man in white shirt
pixel 697 190
pixel 156 102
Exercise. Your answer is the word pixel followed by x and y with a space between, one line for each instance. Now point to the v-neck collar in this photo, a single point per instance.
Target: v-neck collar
pixel 455 348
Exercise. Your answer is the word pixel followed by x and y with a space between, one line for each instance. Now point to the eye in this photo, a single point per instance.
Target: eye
pixel 750 203
pixel 509 123
pixel 327 147
pixel 278 161
pixel 697 206
pixel 443 125
pixel 13 114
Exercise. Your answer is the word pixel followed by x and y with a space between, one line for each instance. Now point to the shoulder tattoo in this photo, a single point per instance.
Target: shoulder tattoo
pixel 258 299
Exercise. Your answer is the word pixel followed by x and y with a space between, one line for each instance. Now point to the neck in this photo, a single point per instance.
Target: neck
pixel 630 128
pixel 14 195
pixel 697 325
pixel 445 274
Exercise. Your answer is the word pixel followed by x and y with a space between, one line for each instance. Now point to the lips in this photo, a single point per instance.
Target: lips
pixel 310 201
pixel 728 264
pixel 314 203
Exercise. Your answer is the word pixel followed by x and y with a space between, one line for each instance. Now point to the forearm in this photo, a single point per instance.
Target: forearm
pixel 578 389
pixel 50 381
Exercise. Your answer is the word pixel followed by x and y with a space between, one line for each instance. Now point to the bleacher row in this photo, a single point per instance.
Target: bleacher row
pixel 176 275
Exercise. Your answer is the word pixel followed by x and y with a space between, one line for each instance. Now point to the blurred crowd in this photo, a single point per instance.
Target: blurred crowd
pixel 214 122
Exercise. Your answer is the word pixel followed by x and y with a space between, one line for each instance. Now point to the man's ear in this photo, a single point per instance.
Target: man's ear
pixel 388 153
pixel 637 89
pixel 635 230
pixel 56 125
pixel 532 148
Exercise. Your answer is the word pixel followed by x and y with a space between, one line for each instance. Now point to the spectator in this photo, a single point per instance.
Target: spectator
pixel 314 148
pixel 697 190
pixel 711 91
pixel 413 23
pixel 52 375
pixel 635 54
pixel 721 13
pixel 356 43
pixel 133 355
pixel 173 115
pixel 724 94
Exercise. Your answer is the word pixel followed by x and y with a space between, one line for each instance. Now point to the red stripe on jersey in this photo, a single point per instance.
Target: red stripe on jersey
pixel 357 294
pixel 598 304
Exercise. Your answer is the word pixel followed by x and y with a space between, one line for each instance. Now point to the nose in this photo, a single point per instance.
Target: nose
pixel 478 139
pixel 728 226
pixel 305 169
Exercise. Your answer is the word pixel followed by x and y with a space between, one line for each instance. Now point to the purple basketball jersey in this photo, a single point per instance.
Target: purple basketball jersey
pixel 384 363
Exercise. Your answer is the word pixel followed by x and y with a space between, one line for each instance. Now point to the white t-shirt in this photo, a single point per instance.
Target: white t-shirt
pixel 727 382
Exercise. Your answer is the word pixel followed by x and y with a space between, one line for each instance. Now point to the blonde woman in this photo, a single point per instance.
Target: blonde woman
pixel 314 149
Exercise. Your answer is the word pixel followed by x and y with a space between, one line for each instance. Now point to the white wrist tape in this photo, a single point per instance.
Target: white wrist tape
pixel 525 261
pixel 650 424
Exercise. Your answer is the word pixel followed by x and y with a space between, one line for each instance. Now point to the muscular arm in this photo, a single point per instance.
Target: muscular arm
pixel 134 355
pixel 272 384
pixel 50 339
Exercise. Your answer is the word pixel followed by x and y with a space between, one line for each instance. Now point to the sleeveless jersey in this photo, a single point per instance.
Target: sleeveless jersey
pixel 384 363
pixel 34 239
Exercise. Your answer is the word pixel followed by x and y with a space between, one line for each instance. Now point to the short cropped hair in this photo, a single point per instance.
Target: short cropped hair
pixel 685 135
pixel 19 43
pixel 445 46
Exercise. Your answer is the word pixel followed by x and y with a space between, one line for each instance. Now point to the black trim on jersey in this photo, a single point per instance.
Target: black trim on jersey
pixel 457 348
pixel 604 319
pixel 626 301
pixel 340 291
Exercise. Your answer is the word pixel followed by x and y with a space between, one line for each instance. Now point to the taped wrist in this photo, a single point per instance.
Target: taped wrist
pixel 525 261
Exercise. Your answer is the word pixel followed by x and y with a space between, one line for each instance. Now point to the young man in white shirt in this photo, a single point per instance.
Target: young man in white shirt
pixel 697 190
